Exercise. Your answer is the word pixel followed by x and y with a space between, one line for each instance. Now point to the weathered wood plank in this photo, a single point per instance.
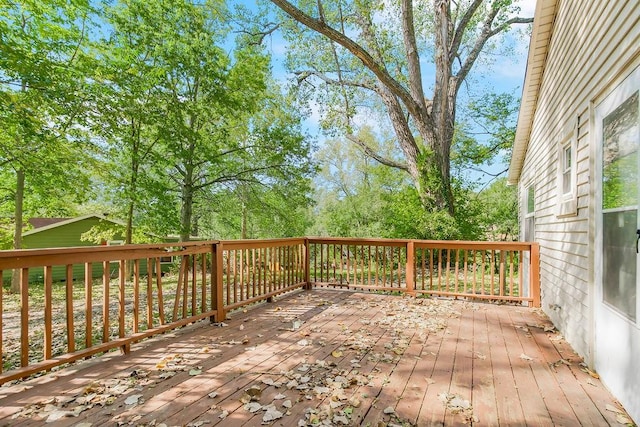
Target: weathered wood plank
pixel 473 351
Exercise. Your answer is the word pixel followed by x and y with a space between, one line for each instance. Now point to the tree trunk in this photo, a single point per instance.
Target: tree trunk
pixel 17 235
pixel 243 234
pixel 186 210
pixel 129 231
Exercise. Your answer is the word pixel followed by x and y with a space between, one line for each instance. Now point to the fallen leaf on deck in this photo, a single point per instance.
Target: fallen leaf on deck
pixel 57 415
pixel 622 419
pixel 220 324
pixel 612 408
pixel 304 343
pixel 355 402
pixel 525 357
pixel 271 414
pixel 254 393
pixel 341 419
pixel 268 381
pixel 253 407
pixel 279 396
pixel 590 372
pixel 194 372
pixel 389 410
pixel 133 399
pixel 213 394
pixel 223 415
pixel 241 327
pixel 287 404
pixel 336 353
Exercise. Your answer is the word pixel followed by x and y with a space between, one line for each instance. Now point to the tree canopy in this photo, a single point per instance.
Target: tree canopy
pixel 371 54
pixel 168 115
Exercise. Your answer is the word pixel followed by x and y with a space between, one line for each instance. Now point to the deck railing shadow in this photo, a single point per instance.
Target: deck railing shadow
pixel 74 303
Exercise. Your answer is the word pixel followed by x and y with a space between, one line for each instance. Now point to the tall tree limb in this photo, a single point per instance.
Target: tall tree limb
pixel 353 47
pixel 374 155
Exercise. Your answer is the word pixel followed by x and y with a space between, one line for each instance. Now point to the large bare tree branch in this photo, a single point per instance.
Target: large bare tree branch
pixel 462 26
pixel 394 86
pixel 303 75
pixel 413 56
pixel 375 156
pixel 403 132
pixel 485 35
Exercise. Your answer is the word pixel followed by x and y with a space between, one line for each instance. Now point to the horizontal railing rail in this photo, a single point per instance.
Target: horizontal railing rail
pixel 77 302
pixel 478 270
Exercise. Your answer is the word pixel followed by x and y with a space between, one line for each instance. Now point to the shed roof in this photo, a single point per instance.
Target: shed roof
pixel 49 223
pixel 538 48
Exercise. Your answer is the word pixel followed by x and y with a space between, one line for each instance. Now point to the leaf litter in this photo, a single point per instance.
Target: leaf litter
pixel 106 392
pixel 327 387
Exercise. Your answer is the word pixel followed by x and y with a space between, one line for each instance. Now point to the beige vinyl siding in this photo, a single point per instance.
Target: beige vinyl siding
pixel 580 67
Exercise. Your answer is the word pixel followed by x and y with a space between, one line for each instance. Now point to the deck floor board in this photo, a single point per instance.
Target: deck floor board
pixel 338 357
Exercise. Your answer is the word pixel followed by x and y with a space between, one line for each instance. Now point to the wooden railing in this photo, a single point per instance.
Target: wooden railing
pixel 77 302
pixel 474 270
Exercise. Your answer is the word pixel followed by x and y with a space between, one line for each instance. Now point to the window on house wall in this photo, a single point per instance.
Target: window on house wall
pixel 567 169
pixel 530 200
pixel 567 174
pixel 529 217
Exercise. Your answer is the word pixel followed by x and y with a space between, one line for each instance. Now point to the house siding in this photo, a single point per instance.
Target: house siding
pixel 67 235
pixel 63 236
pixel 582 65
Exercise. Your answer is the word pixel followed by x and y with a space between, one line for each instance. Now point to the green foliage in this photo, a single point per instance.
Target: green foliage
pixel 361 198
pixel 43 71
pixel 499 211
pixel 105 231
pixel 485 136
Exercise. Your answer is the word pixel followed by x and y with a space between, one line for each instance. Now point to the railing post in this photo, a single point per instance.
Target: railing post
pixel 410 268
pixel 217 282
pixel 307 265
pixel 534 274
pixel 24 316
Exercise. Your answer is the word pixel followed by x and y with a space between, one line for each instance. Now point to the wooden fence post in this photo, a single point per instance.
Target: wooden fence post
pixel 410 268
pixel 307 265
pixel 534 274
pixel 217 282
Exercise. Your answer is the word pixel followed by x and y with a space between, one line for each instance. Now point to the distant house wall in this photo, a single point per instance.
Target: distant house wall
pixel 594 44
pixel 67 235
pixel 60 235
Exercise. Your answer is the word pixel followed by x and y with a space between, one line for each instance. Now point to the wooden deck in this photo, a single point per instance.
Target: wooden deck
pixel 328 357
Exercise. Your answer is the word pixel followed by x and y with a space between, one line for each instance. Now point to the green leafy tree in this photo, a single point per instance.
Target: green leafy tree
pixel 499 211
pixel 128 104
pixel 353 52
pixel 43 71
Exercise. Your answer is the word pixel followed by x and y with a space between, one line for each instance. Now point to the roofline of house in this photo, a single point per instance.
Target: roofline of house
pixel 70 221
pixel 538 48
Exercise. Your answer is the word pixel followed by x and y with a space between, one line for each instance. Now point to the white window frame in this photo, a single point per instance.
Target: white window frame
pixel 568 192
pixel 567 170
pixel 529 210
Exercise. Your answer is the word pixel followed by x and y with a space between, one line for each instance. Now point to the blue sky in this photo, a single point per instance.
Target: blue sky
pixel 505 74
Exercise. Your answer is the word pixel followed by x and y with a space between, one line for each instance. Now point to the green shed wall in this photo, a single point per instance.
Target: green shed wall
pixel 67 235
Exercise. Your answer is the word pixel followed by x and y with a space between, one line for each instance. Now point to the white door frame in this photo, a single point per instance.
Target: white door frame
pixel 616 336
